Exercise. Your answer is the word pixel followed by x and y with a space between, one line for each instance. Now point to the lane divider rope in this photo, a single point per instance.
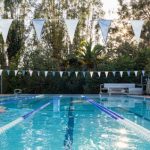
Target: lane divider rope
pixel 141 131
pixel 22 118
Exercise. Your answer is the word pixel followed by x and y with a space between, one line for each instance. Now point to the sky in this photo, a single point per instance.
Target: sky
pixel 109 6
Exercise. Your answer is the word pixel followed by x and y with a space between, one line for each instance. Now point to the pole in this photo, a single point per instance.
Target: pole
pixel 1 84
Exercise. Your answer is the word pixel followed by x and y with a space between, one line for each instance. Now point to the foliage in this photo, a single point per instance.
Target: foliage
pixel 51 53
pixel 89 55
pixel 137 9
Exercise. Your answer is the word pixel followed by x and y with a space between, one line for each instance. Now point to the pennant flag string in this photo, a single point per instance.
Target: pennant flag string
pixel 71 25
pixel 61 73
pixel 4 27
pixel 38 25
pixel 1 71
pixel 143 72
pixel 128 72
pixel 46 73
pixel 105 25
pixel 137 28
pixel 8 72
pixel 83 74
pixel 114 73
pixel 76 73
pixel 69 73
pixel 106 73
pixel 16 71
pixel 23 72
pixel 99 74
pixel 121 74
pixel 136 73
pixel 89 20
pixel 91 74
pixel 53 73
pixel 38 73
pixel 30 72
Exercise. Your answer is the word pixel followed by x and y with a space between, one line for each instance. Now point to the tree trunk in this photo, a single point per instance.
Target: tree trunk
pixel 6 56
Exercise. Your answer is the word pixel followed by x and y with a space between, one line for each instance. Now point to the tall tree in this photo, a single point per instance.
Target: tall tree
pixel 137 9
pixel 89 55
pixel 55 37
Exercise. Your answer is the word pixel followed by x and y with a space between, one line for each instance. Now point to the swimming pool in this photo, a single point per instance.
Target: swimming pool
pixel 72 123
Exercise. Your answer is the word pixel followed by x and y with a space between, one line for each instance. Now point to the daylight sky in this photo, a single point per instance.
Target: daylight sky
pixel 110 6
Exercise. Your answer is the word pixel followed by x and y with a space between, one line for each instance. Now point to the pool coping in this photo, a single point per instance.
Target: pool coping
pixel 78 95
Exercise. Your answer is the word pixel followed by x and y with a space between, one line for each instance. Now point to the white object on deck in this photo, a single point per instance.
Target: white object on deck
pixel 121 88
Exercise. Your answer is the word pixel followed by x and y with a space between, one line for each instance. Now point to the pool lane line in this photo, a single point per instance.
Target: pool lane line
pixel 22 118
pixel 68 141
pixel 139 130
pixel 137 114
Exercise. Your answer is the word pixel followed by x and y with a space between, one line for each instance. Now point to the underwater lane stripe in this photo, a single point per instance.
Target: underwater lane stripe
pixel 22 118
pixel 140 116
pixel 68 142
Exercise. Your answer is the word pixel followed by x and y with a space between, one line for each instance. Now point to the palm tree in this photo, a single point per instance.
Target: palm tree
pixel 90 55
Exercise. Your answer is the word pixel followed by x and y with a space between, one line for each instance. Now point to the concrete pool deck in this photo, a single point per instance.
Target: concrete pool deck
pixel 74 95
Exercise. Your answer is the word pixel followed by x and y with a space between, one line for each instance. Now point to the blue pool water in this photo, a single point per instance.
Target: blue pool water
pixel 76 125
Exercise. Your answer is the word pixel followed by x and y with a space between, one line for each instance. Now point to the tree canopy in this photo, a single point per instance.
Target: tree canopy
pixel 87 52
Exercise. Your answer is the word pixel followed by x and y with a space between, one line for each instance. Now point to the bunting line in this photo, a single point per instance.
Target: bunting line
pixel 136 73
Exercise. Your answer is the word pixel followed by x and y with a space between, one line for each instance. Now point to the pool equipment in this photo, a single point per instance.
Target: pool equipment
pixel 22 118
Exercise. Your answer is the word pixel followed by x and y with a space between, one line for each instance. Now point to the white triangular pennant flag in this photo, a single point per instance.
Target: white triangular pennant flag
pixel 38 25
pixel 136 73
pixel 137 28
pixel 105 25
pixel 8 72
pixel 16 71
pixel 106 73
pixel 53 73
pixel 61 73
pixel 30 72
pixel 91 74
pixel 114 73
pixel 23 72
pixel 121 73
pixel 1 71
pixel 38 73
pixel 128 72
pixel 83 74
pixel 4 27
pixel 143 72
pixel 46 73
pixel 99 74
pixel 76 73
pixel 69 73
pixel 71 27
